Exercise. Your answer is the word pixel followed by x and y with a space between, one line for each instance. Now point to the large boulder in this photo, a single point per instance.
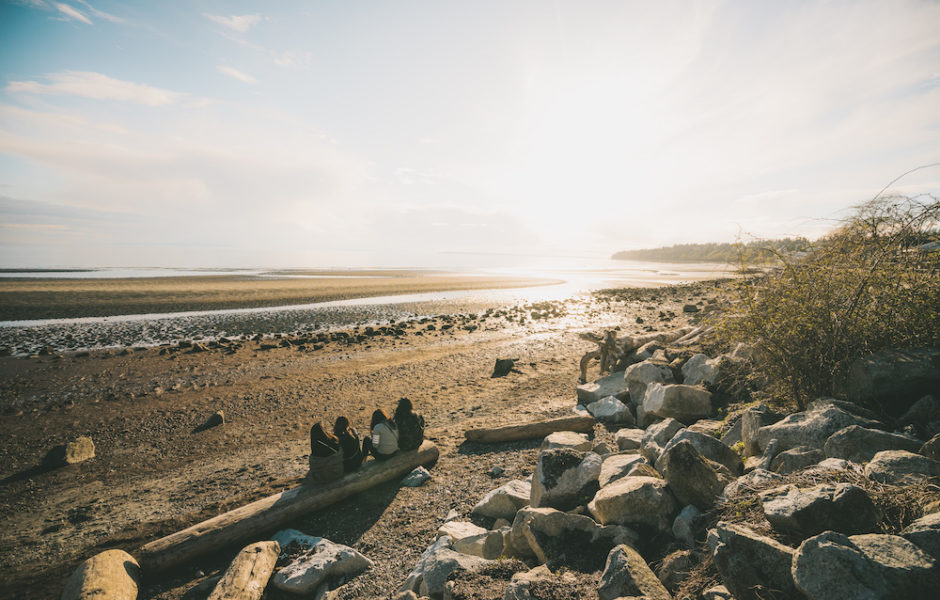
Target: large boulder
pixel 751 566
pixel 733 435
pixel 504 501
pixel 684 403
pixel 796 459
pixel 859 444
pixel 626 574
pixel 640 502
pixel 567 439
pixel 457 530
pixel 710 447
pixel 611 410
pixel 806 512
pixel 700 370
pixel 656 438
pixel 810 428
pixel 674 569
pixel 617 466
pixel 758 478
pixel 893 379
pixel 629 439
pixel 565 479
pixel 313 560
pixel 516 543
pixel 488 544
pixel 751 421
pixel 642 374
pixel 833 566
pixel 692 478
pixel 925 534
pixel 110 575
pixel 611 385
pixel 575 541
pixel 900 468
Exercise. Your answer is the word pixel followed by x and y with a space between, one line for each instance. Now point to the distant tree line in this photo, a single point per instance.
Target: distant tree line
pixel 759 251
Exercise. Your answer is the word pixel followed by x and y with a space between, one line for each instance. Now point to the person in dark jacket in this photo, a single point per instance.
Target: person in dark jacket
pixel 322 443
pixel 384 441
pixel 350 444
pixel 410 425
pixel 326 457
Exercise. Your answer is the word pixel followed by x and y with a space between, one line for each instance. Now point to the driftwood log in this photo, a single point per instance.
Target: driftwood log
pixel 259 517
pixel 529 431
pixel 248 574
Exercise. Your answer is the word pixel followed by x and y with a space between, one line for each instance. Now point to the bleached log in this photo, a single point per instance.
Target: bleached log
pixel 264 515
pixel 248 575
pixel 529 431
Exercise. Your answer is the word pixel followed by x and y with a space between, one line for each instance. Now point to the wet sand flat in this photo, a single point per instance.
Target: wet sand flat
pixel 22 299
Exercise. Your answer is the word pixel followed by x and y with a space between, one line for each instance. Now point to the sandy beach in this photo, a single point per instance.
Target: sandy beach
pixel 154 474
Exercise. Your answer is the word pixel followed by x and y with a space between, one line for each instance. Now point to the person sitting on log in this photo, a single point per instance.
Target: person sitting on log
pixel 326 456
pixel 349 443
pixel 410 425
pixel 384 441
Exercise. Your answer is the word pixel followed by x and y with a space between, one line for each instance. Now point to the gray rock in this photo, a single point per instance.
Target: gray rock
pixel 656 438
pixel 109 575
pixel 541 584
pixel 832 566
pixel 641 502
pixel 629 439
pixel 931 448
pixel 457 530
pixel 642 374
pixel 441 565
pixel 684 403
pixel 700 370
pixel 751 421
pixel 925 410
pixel 900 468
pixel 416 478
pixel 567 439
pixel 770 453
pixel 925 534
pixel 751 481
pixel 602 448
pixel 617 466
pixel 796 459
pixel 565 479
pixel 683 527
pixel 319 559
pixel 893 379
pixel 806 512
pixel 719 592
pixel 710 447
pixel 859 444
pixel 488 544
pixel 811 428
pixel 576 541
pixel 611 410
pixel 692 478
pixel 643 470
pixel 675 568
pixel 733 435
pixel 78 450
pixel 836 464
pixel 611 385
pixel 626 574
pixel 516 544
pixel 751 565
pixel 504 501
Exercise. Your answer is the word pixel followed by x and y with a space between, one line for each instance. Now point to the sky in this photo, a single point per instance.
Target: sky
pixel 203 133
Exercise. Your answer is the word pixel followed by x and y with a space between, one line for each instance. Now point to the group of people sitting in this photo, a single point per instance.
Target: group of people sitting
pixel 342 451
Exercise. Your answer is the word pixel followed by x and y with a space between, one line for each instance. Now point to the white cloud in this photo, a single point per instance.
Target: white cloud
pixel 240 23
pixel 100 13
pixel 98 86
pixel 236 74
pixel 72 13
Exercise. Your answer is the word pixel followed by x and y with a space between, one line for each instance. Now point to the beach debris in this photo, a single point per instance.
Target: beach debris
pixel 248 575
pixel 505 366
pixel 112 574
pixel 416 478
pixel 610 351
pixel 530 431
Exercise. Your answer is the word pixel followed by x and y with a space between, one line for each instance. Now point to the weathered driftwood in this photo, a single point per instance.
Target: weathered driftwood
pixel 247 522
pixel 609 352
pixel 248 575
pixel 528 431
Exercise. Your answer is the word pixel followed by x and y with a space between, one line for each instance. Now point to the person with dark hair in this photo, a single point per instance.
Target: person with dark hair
pixel 349 443
pixel 384 441
pixel 326 457
pixel 410 425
